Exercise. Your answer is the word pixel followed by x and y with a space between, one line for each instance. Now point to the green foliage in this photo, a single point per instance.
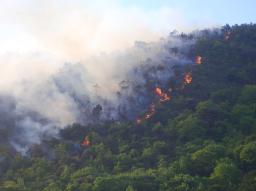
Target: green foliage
pixel 226 176
pixel 204 160
pixel 141 182
pixel 247 155
pixel 248 182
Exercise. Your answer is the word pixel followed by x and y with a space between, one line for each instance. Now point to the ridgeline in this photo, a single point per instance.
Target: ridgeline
pixel 203 138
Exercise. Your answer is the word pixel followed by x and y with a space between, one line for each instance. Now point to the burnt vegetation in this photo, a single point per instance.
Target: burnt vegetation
pixel 203 138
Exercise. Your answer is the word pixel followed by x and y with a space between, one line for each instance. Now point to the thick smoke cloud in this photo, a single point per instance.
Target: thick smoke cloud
pixel 77 29
pixel 20 127
pixel 53 72
pixel 115 86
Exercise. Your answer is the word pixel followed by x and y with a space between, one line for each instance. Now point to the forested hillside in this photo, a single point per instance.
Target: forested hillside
pixel 200 136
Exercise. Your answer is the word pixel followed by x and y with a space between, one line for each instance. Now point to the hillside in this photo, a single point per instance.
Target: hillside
pixel 201 137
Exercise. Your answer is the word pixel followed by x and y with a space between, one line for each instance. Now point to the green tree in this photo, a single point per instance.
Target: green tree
pixel 226 176
pixel 204 160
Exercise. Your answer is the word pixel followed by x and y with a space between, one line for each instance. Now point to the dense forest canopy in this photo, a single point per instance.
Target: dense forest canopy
pixel 200 133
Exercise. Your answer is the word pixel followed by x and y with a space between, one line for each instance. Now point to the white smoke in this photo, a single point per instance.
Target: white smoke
pixel 69 62
pixel 103 87
pixel 76 29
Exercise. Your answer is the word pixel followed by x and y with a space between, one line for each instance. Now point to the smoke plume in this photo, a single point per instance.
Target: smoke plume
pixel 65 62
pixel 116 86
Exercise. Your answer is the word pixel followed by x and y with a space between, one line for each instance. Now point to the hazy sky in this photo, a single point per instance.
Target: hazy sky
pixel 219 11
pixel 76 28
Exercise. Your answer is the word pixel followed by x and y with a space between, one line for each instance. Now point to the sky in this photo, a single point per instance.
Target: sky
pixel 219 11
pixel 57 26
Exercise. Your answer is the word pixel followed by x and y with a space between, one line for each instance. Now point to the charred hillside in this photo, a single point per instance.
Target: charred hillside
pixel 197 131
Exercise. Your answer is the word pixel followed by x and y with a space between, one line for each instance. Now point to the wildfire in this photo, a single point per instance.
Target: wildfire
pixel 227 35
pixel 198 60
pixel 151 111
pixel 163 96
pixel 86 142
pixel 138 121
pixel 188 78
pixel 158 91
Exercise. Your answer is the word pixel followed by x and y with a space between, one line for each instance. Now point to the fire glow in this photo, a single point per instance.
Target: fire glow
pixel 198 60
pixel 151 111
pixel 163 96
pixel 227 35
pixel 188 78
pixel 86 142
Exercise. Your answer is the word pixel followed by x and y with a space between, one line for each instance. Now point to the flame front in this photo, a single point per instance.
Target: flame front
pixel 163 96
pixel 198 60
pixel 151 111
pixel 158 91
pixel 86 142
pixel 188 78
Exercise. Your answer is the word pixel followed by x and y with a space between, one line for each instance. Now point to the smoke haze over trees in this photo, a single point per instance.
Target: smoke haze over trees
pixel 202 138
pixel 107 87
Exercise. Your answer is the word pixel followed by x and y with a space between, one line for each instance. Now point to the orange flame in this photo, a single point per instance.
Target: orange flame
pixel 152 108
pixel 86 142
pixel 163 96
pixel 198 60
pixel 158 91
pixel 188 78
pixel 151 111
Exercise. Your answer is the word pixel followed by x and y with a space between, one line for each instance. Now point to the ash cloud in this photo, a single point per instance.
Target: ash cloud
pixel 116 86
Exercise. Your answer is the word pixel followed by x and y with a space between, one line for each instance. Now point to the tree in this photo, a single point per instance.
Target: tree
pixel 248 155
pixel 204 160
pixel 225 176
pixel 248 182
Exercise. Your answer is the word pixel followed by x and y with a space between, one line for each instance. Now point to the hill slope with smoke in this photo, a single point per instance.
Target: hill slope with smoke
pixel 106 87
pixel 198 135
